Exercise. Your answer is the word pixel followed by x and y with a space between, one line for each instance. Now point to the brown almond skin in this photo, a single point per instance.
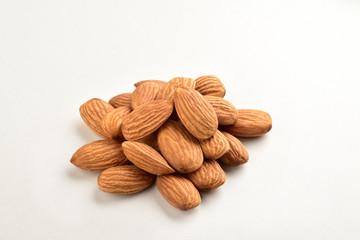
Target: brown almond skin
pixel 167 92
pixel 237 154
pixel 159 82
pixel 121 100
pixel 144 93
pixel 250 123
pixel 99 155
pixel 111 123
pixel 127 179
pixel 178 191
pixel 226 112
pixel 93 112
pixel 151 140
pixel 215 147
pixel 196 113
pixel 181 150
pixel 208 177
pixel 146 119
pixel 146 158
pixel 210 85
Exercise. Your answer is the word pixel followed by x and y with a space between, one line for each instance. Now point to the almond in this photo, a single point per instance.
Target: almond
pixel 159 82
pixel 178 191
pixel 121 100
pixel 145 92
pixel 93 112
pixel 146 158
pixel 216 146
pixel 250 123
pixel 146 119
pixel 125 179
pixel 99 155
pixel 151 140
pixel 208 177
pixel 226 112
pixel 210 85
pixel 237 154
pixel 196 113
pixel 111 123
pixel 181 150
pixel 167 92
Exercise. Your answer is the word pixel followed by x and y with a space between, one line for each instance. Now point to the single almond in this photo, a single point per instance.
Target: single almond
pixel 226 112
pixel 250 123
pixel 196 113
pixel 125 179
pixel 167 92
pixel 146 158
pixel 210 85
pixel 111 123
pixel 93 112
pixel 181 150
pixel 208 177
pixel 178 191
pixel 146 119
pixel 121 100
pixel 144 93
pixel 159 82
pixel 99 155
pixel 237 154
pixel 216 146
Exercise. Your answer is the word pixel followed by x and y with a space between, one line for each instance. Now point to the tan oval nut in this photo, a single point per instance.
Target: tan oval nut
pixel 167 92
pixel 237 154
pixel 178 191
pixel 144 93
pixel 216 146
pixel 159 82
pixel 226 112
pixel 111 123
pixel 210 85
pixel 208 177
pixel 121 100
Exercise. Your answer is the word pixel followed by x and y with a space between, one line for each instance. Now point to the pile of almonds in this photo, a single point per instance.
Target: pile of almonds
pixel 173 132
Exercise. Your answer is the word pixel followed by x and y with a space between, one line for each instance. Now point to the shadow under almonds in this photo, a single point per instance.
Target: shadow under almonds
pixel 248 142
pixel 85 132
pixel 79 174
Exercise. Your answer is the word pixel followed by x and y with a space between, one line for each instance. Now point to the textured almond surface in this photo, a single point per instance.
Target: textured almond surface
pixel 196 113
pixel 125 179
pixel 178 191
pixel 151 140
pixel 111 123
pixel 167 92
pixel 226 112
pixel 93 112
pixel 208 177
pixel 144 93
pixel 250 123
pixel 210 85
pixel 146 158
pixel 181 150
pixel 146 119
pixel 99 155
pixel 237 154
pixel 159 82
pixel 120 100
pixel 216 146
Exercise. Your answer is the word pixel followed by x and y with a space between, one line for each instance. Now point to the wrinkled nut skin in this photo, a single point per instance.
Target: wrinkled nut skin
pixel 126 179
pixel 226 112
pixel 208 177
pixel 146 158
pixel 210 85
pixel 167 92
pixel 181 150
pixel 250 123
pixel 99 155
pixel 146 119
pixel 216 146
pixel 93 112
pixel 144 93
pixel 121 100
pixel 178 191
pixel 111 123
pixel 237 155
pixel 159 82
pixel 195 113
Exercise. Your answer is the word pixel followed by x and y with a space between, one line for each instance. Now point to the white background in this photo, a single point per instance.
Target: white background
pixel 297 60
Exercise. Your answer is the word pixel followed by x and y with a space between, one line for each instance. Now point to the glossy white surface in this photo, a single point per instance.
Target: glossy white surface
pixel 298 60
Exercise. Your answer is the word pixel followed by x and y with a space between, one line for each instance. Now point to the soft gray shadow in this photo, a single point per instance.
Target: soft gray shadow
pixel 232 170
pixel 210 196
pixel 85 132
pixel 101 197
pixel 78 174
pixel 172 212
pixel 254 140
